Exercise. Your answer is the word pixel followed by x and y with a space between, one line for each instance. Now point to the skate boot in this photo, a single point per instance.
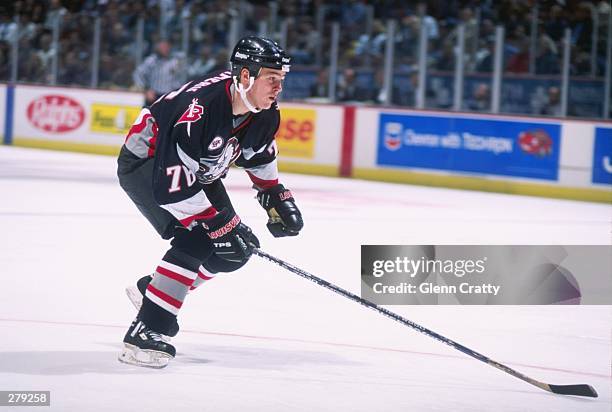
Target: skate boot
pixel 135 294
pixel 145 347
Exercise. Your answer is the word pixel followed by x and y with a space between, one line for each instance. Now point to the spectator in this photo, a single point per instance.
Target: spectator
pixel 582 25
pixel 553 104
pixel 519 62
pixel 409 96
pixel 5 67
pixel 471 30
pixel 481 98
pixel 353 16
pixel 303 39
pixel 379 95
pixel 29 64
pixel 27 28
pixel 207 62
pixel 8 28
pixel 485 56
pixel 116 39
pixel 349 90
pixel 445 60
pixel 74 71
pixel 580 64
pixel 56 10
pixel 366 46
pixel 407 39
pixel 547 59
pixel 321 87
pixel 431 25
pixel 45 54
pixel 556 23
pixel 160 73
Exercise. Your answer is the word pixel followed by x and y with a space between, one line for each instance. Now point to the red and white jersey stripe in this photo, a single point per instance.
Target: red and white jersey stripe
pixel 188 211
pixel 142 136
pixel 264 176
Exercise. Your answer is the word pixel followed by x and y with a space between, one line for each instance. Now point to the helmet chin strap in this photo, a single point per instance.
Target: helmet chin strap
pixel 243 93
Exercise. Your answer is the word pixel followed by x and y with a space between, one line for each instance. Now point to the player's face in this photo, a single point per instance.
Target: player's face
pixel 266 88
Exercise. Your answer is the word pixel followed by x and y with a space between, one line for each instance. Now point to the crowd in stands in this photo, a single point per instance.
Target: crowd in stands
pixel 362 40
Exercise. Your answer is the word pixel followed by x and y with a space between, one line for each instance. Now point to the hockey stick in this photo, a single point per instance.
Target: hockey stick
pixel 578 390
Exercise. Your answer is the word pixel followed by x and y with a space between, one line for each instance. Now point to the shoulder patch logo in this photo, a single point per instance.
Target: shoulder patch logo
pixel 216 143
pixel 192 114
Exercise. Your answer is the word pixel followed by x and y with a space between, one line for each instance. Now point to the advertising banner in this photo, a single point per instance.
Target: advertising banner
pixel 297 131
pixel 477 145
pixel 67 115
pixel 602 156
pixel 111 118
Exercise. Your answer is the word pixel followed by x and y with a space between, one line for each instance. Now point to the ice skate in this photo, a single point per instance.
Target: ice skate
pixel 145 347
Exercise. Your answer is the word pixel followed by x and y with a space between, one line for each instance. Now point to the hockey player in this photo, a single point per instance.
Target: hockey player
pixel 171 167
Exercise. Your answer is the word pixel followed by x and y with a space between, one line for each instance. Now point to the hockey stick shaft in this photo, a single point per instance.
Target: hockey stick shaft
pixel 578 390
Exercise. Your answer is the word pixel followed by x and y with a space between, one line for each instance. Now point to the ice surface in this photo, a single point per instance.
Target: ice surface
pixel 264 339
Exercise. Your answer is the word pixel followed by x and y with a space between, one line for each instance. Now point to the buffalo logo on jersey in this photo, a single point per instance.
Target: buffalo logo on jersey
pixel 213 167
pixel 193 113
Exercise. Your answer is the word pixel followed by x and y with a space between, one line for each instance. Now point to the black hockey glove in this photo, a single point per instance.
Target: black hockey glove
pixel 232 239
pixel 285 218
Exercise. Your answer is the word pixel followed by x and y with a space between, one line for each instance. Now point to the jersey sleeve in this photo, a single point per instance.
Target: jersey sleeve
pixel 175 186
pixel 259 150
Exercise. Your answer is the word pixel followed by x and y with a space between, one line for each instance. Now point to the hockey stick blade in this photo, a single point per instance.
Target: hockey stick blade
pixel 576 390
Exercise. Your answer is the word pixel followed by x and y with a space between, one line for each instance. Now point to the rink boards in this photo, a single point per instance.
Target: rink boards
pixel 511 154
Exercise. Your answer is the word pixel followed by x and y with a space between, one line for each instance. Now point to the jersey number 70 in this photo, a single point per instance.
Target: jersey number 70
pixel 175 172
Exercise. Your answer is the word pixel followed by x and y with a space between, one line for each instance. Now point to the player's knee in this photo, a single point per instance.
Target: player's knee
pixel 215 264
pixel 195 243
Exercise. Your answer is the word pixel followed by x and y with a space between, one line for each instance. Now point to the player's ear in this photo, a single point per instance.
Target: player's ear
pixel 244 77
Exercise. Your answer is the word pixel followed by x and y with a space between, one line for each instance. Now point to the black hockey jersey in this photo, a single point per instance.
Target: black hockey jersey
pixel 194 137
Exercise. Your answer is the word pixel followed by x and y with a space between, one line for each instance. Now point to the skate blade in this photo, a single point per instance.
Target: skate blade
pixel 133 355
pixel 134 296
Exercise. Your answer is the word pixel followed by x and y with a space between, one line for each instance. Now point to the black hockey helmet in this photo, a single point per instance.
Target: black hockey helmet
pixel 255 52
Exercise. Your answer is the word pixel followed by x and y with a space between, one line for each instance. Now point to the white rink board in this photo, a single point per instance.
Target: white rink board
pixel 57 115
pixel 576 161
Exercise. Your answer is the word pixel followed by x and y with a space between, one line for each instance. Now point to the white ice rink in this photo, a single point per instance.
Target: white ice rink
pixel 264 339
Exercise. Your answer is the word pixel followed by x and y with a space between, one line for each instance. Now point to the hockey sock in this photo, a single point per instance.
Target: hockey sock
pixel 213 265
pixel 166 293
pixel 204 275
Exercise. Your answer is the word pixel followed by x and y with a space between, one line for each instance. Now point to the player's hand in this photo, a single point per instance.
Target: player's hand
pixel 232 239
pixel 285 218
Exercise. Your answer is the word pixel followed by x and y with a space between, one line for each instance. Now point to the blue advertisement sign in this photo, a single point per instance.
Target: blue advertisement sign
pixel 498 147
pixel 602 156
